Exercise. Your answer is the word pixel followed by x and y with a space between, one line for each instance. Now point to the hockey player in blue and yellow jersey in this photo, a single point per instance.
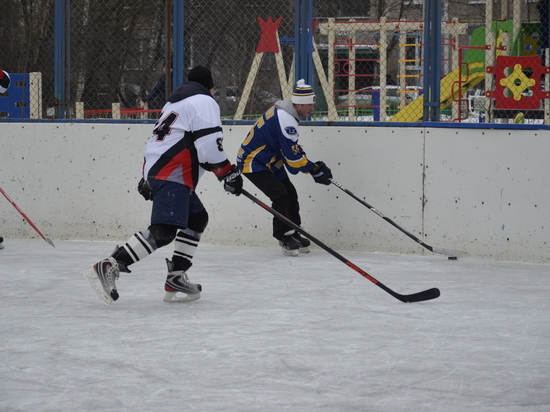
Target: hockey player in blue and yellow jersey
pixel 270 150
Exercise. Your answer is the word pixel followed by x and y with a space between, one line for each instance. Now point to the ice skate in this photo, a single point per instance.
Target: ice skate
pixel 290 245
pixel 177 281
pixel 1 243
pixel 102 277
pixel 303 242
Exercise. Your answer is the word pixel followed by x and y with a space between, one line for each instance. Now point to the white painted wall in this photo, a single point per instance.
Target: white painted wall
pixel 486 192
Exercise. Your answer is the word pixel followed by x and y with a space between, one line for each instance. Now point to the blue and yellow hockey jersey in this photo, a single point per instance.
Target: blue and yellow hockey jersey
pixel 272 144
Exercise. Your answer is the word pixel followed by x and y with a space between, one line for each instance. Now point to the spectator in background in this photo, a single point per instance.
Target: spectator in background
pixel 156 98
pixel 4 84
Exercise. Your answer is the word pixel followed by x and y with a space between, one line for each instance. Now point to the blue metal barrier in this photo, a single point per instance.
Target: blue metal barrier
pixel 15 102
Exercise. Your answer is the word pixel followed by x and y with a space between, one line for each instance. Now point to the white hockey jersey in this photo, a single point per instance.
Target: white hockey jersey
pixel 187 139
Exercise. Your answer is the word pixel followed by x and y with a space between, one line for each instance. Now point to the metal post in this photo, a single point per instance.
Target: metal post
pixel 168 48
pixel 427 61
pixel 545 56
pixel 61 56
pixel 432 60
pixel 178 74
pixel 303 44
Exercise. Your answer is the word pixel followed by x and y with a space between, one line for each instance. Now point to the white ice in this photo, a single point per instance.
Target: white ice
pixel 272 333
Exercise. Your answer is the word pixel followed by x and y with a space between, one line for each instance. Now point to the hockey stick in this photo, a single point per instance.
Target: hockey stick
pixel 387 219
pixel 49 241
pixel 415 297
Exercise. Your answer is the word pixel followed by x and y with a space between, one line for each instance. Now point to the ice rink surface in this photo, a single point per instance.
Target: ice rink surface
pixel 272 333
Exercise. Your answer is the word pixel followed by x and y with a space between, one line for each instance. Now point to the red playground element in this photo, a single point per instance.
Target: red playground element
pixel 268 40
pixel 518 81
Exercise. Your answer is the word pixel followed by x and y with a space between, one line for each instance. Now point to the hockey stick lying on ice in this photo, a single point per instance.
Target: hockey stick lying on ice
pixel 415 297
pixel 49 241
pixel 387 219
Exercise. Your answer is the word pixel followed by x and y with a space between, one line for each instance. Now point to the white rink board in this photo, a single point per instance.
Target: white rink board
pixel 489 192
pixel 486 191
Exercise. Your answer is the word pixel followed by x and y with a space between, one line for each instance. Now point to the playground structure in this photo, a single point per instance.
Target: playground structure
pixel 516 79
pixel 350 32
pixel 516 95
pixel 343 35
pixel 501 58
pixel 491 73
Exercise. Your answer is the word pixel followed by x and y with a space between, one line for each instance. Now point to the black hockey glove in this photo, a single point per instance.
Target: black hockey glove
pixel 144 189
pixel 233 181
pixel 321 173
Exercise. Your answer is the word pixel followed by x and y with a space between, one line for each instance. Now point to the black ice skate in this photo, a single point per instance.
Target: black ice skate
pixel 290 245
pixel 303 242
pixel 177 281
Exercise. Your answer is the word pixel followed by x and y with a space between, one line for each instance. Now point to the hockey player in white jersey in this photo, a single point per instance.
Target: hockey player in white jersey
pixel 186 142
pixel 270 149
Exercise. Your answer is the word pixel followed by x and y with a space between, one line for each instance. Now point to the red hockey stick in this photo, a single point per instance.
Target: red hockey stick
pixel 49 241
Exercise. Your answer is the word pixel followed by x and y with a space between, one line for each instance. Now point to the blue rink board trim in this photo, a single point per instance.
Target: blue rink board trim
pixel 441 125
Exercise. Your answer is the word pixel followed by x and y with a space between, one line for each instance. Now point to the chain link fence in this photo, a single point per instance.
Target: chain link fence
pixel 367 58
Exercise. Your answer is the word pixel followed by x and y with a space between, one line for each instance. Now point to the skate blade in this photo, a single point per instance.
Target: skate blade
pixel 290 252
pixel 304 250
pixel 171 297
pixel 96 284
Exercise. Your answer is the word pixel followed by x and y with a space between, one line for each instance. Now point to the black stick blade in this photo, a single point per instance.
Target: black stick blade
pixel 420 296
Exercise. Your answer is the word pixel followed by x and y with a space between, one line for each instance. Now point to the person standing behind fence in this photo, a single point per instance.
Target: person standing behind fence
pixel 270 147
pixel 186 142
pixel 156 98
pixel 4 84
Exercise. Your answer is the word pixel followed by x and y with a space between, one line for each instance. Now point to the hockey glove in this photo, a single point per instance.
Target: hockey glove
pixel 321 173
pixel 233 181
pixel 144 189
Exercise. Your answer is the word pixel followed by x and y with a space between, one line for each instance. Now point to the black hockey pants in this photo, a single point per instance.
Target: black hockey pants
pixel 283 196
